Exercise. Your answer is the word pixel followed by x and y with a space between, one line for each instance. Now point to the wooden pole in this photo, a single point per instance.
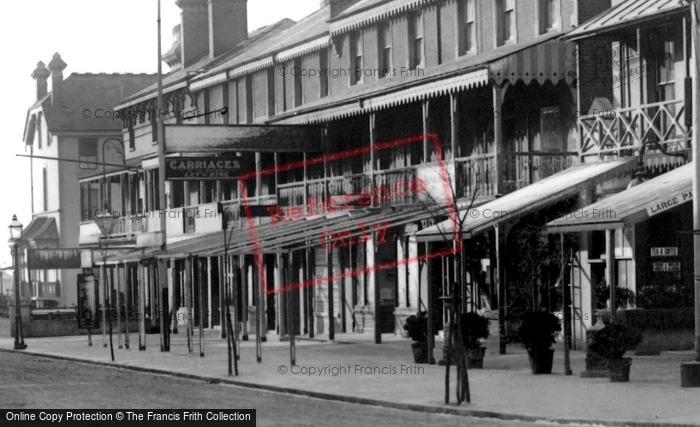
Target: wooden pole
pixel 331 285
pixel 142 303
pixel 118 279
pixel 127 300
pixel 104 305
pixel 200 293
pixel 188 301
pixel 566 308
pixel 258 307
pixel 290 313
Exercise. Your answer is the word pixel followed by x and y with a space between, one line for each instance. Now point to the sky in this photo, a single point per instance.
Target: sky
pixel 92 36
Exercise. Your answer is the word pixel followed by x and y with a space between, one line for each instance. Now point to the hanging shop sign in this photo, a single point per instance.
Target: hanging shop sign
pixel 88 302
pixel 671 251
pixel 670 203
pixel 258 138
pixel 667 266
pixel 203 168
pixel 49 259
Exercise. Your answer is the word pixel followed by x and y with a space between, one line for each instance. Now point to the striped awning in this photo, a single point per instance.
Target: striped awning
pixel 627 13
pixel 305 232
pixel 373 14
pixel 639 203
pixel 529 199
pixel 552 60
pixel 404 96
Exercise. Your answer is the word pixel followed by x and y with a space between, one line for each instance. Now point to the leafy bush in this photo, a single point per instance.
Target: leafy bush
pixel 474 328
pixel 665 297
pixel 538 330
pixel 614 340
pixel 417 327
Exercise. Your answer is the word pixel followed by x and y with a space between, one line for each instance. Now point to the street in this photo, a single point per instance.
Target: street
pixel 30 382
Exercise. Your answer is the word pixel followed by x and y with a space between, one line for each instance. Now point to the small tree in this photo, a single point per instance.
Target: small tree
pixel 439 210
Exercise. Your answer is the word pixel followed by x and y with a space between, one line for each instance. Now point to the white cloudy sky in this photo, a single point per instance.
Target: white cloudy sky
pixel 91 36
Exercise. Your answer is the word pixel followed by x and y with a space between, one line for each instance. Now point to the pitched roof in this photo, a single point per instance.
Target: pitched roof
pixel 93 92
pixel 627 13
pixel 255 39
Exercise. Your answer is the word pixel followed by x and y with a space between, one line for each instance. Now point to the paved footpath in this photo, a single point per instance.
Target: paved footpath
pixel 355 369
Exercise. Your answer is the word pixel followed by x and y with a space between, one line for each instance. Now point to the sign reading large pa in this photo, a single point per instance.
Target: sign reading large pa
pixel 197 168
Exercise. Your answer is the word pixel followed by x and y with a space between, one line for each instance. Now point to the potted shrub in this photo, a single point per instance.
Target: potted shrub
pixel 537 332
pixel 611 343
pixel 474 328
pixel 416 327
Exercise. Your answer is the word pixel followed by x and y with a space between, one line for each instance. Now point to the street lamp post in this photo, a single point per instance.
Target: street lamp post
pixel 15 235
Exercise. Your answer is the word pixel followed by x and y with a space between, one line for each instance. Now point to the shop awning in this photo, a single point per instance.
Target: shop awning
pixel 529 199
pixel 629 207
pixel 627 13
pixel 41 228
pixel 306 232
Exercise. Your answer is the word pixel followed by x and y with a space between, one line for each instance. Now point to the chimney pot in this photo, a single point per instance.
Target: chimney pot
pixel 41 75
pixel 57 66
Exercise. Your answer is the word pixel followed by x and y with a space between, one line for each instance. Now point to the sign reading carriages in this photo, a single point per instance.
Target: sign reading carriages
pixel 203 168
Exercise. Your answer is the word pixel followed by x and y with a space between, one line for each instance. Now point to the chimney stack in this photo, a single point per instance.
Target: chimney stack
pixel 57 66
pixel 337 6
pixel 194 30
pixel 228 25
pixel 41 75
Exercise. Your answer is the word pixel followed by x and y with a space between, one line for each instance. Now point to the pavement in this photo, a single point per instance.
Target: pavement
pixel 353 368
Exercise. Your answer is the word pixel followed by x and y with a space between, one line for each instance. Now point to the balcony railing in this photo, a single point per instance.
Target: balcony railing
pixel 610 132
pixel 523 169
pixel 476 175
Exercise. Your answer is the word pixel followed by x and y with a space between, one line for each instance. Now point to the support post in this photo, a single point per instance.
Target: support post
pixel 127 301
pixel 200 292
pixel 610 271
pixel 142 302
pixel 331 285
pixel 566 309
pixel 104 304
pixel 290 310
pixel 500 282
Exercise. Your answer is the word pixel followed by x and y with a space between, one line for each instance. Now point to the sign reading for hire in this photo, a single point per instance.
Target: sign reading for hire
pixel 197 168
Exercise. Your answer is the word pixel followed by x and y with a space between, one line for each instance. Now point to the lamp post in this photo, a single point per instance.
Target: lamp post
pixel 15 235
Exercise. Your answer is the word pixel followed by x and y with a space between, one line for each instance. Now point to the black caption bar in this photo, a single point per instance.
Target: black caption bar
pixel 113 417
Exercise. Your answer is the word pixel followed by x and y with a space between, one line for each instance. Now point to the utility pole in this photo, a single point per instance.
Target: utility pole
pixel 162 262
pixel 690 372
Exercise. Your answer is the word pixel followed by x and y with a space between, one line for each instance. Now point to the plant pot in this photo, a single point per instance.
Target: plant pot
pixel 420 352
pixel 620 370
pixel 541 360
pixel 475 357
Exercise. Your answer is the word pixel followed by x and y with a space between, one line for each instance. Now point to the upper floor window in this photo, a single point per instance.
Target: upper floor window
pixel 549 15
pixel 505 21
pixel 87 152
pixel 39 128
pixel 132 134
pixel 45 188
pixel 467 27
pixel 154 126
pixel 356 57
pixel 415 34
pixel 384 50
pixel 323 65
pixel 298 88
